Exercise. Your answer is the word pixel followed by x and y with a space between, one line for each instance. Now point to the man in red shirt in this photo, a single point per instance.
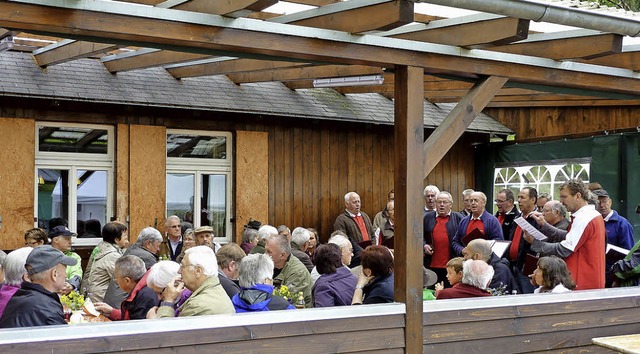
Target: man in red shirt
pixel 355 224
pixel 584 246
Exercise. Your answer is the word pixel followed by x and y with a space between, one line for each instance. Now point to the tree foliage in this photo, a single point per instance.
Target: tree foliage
pixel 629 5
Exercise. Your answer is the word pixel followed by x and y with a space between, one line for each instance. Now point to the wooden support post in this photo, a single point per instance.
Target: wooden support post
pixel 458 120
pixel 409 137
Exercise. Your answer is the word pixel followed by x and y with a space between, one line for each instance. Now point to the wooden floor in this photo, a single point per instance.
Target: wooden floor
pixel 552 323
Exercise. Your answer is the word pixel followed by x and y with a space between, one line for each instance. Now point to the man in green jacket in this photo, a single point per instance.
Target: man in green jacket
pixel 61 240
pixel 199 271
pixel 288 270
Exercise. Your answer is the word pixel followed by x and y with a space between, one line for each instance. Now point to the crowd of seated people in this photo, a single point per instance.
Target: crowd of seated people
pixel 201 277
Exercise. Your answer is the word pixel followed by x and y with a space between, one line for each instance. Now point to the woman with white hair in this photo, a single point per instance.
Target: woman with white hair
pixel 160 275
pixel 256 283
pixel 14 274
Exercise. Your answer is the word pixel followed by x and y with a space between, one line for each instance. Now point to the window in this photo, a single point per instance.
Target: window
pixel 199 179
pixel 544 177
pixel 74 177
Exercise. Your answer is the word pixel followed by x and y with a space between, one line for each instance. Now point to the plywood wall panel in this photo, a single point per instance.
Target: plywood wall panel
pixel 122 172
pixel 147 178
pixel 252 179
pixel 17 164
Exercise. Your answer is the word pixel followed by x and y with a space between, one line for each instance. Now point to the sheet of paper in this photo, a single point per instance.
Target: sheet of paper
pixel 524 225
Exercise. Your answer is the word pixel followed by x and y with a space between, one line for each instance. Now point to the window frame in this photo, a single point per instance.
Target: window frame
pixel 203 166
pixel 72 162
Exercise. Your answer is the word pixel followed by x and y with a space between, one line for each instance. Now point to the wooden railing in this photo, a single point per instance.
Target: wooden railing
pixel 530 323
pixel 509 324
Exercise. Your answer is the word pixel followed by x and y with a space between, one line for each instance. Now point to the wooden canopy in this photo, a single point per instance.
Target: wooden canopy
pixel 478 61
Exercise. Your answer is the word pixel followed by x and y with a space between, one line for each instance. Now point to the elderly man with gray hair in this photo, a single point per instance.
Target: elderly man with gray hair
pixel 299 244
pixel 476 275
pixel 199 273
pixel 355 224
pixel 256 282
pixel 288 270
pixel 429 193
pixel 264 232
pixel 146 247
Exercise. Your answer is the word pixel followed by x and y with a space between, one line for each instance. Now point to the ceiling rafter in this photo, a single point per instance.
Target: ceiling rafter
pixel 303 73
pixel 68 50
pixel 566 45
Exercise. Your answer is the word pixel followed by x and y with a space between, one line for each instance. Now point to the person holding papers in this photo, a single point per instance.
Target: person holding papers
pixel 627 270
pixel 520 251
pixel 480 224
pixel 583 248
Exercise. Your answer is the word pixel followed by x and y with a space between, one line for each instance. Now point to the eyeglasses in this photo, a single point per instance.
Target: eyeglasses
pixel 500 201
pixel 183 266
pixel 174 227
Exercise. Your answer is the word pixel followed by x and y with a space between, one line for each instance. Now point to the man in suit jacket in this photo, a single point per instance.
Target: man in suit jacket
pixel 355 224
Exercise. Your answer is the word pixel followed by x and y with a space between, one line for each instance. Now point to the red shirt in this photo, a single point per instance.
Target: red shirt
pixel 441 245
pixel 475 223
pixel 363 229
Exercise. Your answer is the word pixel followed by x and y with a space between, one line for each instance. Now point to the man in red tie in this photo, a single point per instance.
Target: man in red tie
pixel 355 224
pixel 583 248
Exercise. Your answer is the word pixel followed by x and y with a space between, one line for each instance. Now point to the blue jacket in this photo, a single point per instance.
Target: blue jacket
pixel 492 231
pixel 334 289
pixel 259 298
pixel 429 223
pixel 379 290
pixel 619 231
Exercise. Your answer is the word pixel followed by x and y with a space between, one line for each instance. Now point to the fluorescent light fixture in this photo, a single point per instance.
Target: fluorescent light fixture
pixel 6 43
pixel 349 81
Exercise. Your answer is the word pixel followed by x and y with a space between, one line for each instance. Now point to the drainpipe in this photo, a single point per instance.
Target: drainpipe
pixel 544 12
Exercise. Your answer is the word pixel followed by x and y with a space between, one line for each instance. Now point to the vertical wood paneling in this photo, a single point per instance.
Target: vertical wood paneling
pixel 122 172
pixel 562 122
pixel 311 168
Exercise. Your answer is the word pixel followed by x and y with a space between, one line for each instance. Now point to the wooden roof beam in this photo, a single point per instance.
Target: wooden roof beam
pixel 354 16
pixel 629 58
pixel 184 31
pixel 466 31
pixel 340 16
pixel 67 50
pixel 567 103
pixel 223 66
pixel 146 58
pixel 314 2
pixel 303 73
pixel 458 120
pixel 566 45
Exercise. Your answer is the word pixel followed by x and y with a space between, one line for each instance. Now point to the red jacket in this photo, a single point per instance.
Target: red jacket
pixel 137 304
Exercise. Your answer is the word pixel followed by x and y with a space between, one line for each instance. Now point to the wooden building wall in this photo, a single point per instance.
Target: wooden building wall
pixel 560 122
pixel 311 163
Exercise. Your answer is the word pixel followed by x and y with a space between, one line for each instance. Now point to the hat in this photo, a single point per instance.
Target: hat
pixel 253 224
pixel 601 193
pixel 46 257
pixel 429 277
pixel 60 230
pixel 203 229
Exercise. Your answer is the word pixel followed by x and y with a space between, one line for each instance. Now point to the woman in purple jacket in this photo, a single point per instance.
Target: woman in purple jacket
pixel 336 284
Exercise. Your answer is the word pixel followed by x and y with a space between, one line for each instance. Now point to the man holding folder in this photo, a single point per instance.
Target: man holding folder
pixel 480 224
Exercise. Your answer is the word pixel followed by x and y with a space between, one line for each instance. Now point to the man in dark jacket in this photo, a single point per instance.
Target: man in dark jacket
pixel 507 211
pixel 355 224
pixel 146 247
pixel 256 294
pixel 36 302
pixel 131 276
pixel 480 222
pixel 502 277
pixel 229 258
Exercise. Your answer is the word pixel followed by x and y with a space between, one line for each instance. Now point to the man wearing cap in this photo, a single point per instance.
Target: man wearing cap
pixel 36 303
pixel 61 240
pixel 619 230
pixel 204 237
